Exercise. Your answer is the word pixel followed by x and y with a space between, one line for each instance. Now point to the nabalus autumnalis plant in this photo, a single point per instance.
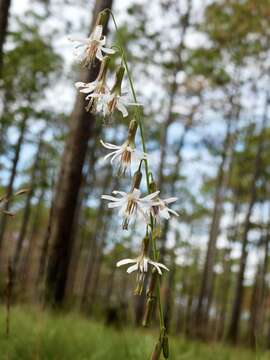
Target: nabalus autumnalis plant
pixel 150 208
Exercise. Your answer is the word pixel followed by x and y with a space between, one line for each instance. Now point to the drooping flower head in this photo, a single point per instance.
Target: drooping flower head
pixel 126 154
pixel 115 99
pixel 96 88
pixel 92 47
pixel 160 209
pixel 131 204
pixel 141 264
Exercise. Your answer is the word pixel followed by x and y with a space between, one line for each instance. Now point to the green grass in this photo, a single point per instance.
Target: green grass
pixel 42 336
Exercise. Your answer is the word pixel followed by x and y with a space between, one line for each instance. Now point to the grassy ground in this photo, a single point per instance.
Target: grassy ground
pixel 42 336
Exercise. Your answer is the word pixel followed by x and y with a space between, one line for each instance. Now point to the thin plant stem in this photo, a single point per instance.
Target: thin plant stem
pixel 147 173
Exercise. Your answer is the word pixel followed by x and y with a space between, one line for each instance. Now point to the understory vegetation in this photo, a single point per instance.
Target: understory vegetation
pixel 36 334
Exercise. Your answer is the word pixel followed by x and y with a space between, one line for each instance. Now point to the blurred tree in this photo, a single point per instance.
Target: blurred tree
pixel 68 185
pixel 4 14
pixel 27 74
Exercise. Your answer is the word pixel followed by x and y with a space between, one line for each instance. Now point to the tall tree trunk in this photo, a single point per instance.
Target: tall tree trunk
pixel 93 250
pixel 98 262
pixel 68 185
pixel 27 211
pixel 207 278
pixel 4 14
pixel 184 24
pixel 237 303
pixel 164 133
pixel 78 233
pixel 259 292
pixel 31 248
pixel 169 292
pixel 13 172
pixel 44 252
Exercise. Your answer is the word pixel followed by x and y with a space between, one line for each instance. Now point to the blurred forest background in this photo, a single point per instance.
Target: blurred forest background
pixel 201 70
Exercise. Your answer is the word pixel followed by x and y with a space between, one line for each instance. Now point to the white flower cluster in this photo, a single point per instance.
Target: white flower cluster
pixel 132 205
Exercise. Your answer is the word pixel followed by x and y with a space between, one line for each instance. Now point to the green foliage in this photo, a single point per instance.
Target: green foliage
pixel 238 26
pixel 38 335
pixel 29 63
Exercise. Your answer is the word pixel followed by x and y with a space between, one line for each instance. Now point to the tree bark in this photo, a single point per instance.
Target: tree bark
pixel 169 292
pixel 27 268
pixel 207 278
pixel 27 211
pixel 259 292
pixel 13 172
pixel 4 14
pixel 68 186
pixel 237 303
pixel 93 251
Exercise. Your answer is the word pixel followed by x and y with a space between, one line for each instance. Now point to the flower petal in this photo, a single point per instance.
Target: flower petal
pixel 132 268
pixel 108 50
pixel 170 200
pixel 97 33
pixel 125 261
pixel 121 107
pixel 109 197
pixel 109 145
pixel 99 55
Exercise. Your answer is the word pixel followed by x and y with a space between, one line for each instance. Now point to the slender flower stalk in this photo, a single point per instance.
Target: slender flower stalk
pixel 156 355
pixel 131 204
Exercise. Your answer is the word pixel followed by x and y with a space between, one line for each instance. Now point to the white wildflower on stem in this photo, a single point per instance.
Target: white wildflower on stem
pixel 131 204
pixel 126 154
pixel 92 47
pixel 109 102
pixel 141 265
pixel 115 99
pixel 95 88
pixel 161 210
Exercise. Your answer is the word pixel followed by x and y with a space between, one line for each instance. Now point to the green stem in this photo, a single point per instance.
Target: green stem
pixel 147 173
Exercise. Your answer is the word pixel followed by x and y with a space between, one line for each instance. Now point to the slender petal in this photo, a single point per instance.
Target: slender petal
pixel 132 268
pixel 125 261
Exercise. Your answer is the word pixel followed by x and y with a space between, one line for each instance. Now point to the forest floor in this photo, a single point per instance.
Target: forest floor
pixel 44 336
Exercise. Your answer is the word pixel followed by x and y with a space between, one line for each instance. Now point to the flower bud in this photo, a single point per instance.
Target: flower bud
pixel 136 180
pixel 153 186
pixel 103 69
pixel 145 245
pixel 118 80
pixel 150 305
pixel 133 125
pixel 165 346
pixel 157 351
pixel 151 299
pixel 102 17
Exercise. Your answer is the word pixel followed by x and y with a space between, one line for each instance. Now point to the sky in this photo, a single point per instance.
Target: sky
pixel 62 95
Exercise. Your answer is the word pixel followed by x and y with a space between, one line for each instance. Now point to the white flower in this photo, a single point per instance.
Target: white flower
pixel 161 210
pixel 131 204
pixel 141 264
pixel 124 155
pixel 87 88
pixel 95 90
pixel 90 48
pixel 108 102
